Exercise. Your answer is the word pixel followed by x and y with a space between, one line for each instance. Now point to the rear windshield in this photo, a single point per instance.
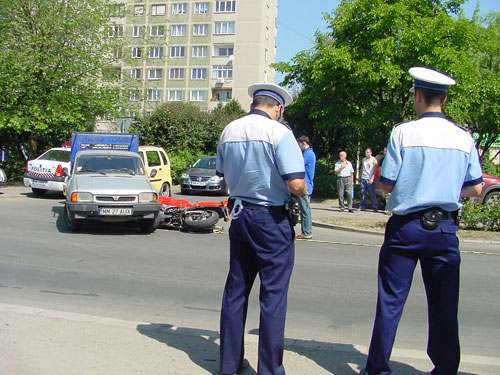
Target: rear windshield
pixel 57 155
pixel 109 164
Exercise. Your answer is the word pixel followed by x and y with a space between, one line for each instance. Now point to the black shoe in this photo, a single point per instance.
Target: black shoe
pixel 351 210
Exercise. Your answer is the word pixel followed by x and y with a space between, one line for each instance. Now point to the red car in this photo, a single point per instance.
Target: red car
pixel 491 189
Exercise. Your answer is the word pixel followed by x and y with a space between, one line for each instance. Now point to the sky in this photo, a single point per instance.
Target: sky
pixel 298 20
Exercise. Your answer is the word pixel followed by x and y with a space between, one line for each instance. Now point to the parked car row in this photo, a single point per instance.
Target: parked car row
pixel 3 178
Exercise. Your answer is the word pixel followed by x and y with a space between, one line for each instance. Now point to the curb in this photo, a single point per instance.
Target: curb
pixel 347 229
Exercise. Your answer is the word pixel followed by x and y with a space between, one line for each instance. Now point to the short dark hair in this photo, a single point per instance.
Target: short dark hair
pixel 304 139
pixel 432 96
pixel 265 101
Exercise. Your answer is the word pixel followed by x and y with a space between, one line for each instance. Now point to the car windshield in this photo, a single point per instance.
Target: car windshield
pixel 206 163
pixel 109 164
pixel 58 155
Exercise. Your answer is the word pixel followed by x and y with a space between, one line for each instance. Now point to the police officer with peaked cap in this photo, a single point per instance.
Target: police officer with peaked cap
pixel 262 164
pixel 430 163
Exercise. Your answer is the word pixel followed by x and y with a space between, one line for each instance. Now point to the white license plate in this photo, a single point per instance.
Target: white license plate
pixel 115 211
pixel 198 183
pixel 39 183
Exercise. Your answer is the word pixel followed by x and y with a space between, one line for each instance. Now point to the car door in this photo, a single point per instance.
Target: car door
pixel 153 161
pixel 164 172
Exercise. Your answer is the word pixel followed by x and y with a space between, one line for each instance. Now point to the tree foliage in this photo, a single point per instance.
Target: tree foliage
pixel 354 83
pixel 55 55
pixel 185 131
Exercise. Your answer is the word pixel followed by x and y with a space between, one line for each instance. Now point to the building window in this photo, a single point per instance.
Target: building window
pixel 198 95
pixel 225 6
pixel 177 51
pixel 158 10
pixel 222 71
pixel 200 30
pixel 155 52
pixel 135 73
pixel 139 10
pixel 223 50
pixel 265 76
pixel 157 30
pixel 176 73
pixel 115 31
pixel 179 8
pixel 174 95
pixel 266 55
pixel 224 27
pixel 154 95
pixel 223 96
pixel 155 74
pixel 136 52
pixel 200 51
pixel 134 95
pixel 116 10
pixel 138 31
pixel 199 73
pixel 201 8
pixel 117 53
pixel 268 11
pixel 178 30
pixel 133 114
pixel 267 32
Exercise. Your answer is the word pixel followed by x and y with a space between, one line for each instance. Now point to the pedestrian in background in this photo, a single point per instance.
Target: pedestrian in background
pixel 430 163
pixel 262 164
pixel 305 200
pixel 367 173
pixel 345 181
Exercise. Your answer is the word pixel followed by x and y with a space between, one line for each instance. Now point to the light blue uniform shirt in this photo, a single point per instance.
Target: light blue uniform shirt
pixel 428 161
pixel 256 155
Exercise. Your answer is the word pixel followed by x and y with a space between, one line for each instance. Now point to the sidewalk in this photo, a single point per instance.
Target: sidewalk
pixel 37 341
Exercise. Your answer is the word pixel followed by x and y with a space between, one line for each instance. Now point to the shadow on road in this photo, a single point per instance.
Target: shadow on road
pixel 203 349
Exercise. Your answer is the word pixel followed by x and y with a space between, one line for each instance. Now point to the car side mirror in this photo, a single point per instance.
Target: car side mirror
pixel 153 173
pixel 65 172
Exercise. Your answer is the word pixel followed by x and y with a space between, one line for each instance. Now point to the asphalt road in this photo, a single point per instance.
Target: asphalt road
pixel 177 278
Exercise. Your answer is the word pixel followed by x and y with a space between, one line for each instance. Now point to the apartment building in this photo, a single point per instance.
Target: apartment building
pixel 204 52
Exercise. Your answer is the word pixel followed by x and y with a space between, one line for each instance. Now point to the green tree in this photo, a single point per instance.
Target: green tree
pixel 185 131
pixel 354 83
pixel 55 71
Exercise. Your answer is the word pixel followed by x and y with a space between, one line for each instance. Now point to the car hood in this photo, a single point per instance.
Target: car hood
pixel 200 172
pixel 112 184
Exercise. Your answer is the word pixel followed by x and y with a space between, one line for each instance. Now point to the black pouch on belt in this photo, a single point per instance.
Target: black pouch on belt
pixel 430 219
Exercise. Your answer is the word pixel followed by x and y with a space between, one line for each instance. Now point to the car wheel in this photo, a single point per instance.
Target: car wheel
pixel 74 225
pixel 201 220
pixel 493 197
pixel 150 225
pixel 184 191
pixel 165 190
pixel 38 192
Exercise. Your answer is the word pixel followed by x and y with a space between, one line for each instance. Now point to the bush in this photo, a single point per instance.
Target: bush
pixel 481 216
pixel 325 182
pixel 14 168
pixel 180 160
pixel 489 167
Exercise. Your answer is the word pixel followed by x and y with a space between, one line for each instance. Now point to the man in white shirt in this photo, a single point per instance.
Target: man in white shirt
pixel 345 181
pixel 367 173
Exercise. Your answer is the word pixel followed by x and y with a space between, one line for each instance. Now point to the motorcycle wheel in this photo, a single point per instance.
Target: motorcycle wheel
pixel 203 221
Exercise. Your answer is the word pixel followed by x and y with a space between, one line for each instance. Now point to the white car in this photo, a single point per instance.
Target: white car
pixel 48 171
pixel 3 178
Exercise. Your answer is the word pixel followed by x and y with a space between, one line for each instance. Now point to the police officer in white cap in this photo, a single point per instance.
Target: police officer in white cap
pixel 430 163
pixel 263 165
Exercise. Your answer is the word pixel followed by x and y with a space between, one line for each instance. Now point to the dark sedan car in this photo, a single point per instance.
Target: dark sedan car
pixel 200 177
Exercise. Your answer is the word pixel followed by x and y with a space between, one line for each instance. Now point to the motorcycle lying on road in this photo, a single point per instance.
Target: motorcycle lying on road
pixel 197 217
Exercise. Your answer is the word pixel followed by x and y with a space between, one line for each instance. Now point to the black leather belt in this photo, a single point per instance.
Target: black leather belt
pixel 253 206
pixel 447 215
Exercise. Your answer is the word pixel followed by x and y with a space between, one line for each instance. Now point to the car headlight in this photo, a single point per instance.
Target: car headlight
pixel 214 179
pixel 148 197
pixel 185 176
pixel 81 197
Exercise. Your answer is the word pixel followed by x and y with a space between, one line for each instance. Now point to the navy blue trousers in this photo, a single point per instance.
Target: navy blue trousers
pixel 407 242
pixel 262 242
